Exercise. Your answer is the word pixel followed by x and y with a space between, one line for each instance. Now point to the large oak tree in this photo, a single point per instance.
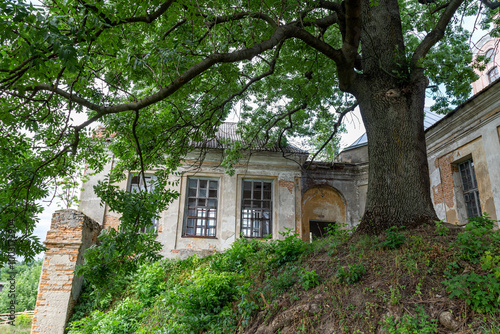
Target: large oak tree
pixel 163 74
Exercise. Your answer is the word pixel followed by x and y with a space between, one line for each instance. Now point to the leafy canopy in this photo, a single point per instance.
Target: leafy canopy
pixel 160 75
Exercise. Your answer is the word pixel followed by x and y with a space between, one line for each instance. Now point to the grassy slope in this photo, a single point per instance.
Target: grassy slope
pixel 291 287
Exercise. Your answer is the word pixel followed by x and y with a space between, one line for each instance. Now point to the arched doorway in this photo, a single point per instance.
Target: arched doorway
pixel 321 205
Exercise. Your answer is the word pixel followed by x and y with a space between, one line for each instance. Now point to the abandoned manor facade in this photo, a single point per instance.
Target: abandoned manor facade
pixel 273 190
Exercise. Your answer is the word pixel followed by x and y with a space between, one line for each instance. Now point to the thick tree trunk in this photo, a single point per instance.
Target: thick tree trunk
pixel 391 99
pixel 398 181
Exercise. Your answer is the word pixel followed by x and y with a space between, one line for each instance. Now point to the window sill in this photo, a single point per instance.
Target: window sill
pixel 197 237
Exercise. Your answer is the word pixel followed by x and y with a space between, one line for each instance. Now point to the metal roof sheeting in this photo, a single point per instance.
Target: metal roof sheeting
pixel 227 133
pixel 430 118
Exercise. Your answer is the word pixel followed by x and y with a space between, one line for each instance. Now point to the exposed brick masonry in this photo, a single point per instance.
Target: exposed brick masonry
pixel 70 234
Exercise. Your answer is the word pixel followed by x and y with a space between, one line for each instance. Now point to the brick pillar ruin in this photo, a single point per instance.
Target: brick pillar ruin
pixel 70 234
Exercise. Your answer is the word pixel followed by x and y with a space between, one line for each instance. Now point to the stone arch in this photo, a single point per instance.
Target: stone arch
pixel 321 203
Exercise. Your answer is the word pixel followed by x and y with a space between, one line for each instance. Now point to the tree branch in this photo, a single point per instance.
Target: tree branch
pixel 436 34
pixel 279 35
pixel 490 4
pixel 334 132
pixel 147 18
pixel 319 45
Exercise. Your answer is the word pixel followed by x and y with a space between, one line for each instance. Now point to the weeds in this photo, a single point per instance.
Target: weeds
pixel 352 274
pixel 394 238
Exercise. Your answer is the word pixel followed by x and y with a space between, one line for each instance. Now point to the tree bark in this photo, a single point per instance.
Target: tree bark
pixel 398 177
pixel 391 98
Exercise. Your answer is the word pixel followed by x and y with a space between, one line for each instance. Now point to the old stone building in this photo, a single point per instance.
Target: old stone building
pixel 275 189
pixel 487 47
pixel 463 151
pixel 271 190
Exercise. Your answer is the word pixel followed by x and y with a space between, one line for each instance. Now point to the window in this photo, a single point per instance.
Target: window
pixel 201 208
pixel 471 193
pixel 489 55
pixel 136 185
pixel 493 74
pixel 256 209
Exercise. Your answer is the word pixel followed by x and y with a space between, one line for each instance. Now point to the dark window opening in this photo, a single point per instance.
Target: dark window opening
pixel 201 208
pixel 256 209
pixel 319 228
pixel 471 192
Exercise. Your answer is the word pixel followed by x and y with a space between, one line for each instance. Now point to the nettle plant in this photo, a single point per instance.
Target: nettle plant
pixel 478 244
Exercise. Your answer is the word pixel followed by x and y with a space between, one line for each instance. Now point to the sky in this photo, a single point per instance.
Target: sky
pixel 352 122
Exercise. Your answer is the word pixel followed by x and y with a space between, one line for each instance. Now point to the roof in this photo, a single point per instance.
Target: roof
pixel 227 133
pixel 461 106
pixel 430 118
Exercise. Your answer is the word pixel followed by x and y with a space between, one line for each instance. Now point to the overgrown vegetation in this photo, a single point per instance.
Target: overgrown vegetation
pixel 27 278
pixel 346 284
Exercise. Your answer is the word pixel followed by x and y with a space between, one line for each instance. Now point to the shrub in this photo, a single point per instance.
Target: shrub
pixel 288 249
pixel 352 274
pixel 27 278
pixel 125 317
pixel 481 292
pixel 109 266
pixel 474 241
pixel 394 238
pixel 478 243
pixel 149 281
pixel 417 324
pixel 441 229
pixel 235 258
pixel 309 279
pixel 202 303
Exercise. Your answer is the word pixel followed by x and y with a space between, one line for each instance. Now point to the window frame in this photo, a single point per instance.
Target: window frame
pixel 470 189
pixel 489 55
pixel 496 74
pixel 155 224
pixel 271 209
pixel 186 208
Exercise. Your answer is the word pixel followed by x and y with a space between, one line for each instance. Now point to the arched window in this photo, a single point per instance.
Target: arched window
pixel 493 74
pixel 489 55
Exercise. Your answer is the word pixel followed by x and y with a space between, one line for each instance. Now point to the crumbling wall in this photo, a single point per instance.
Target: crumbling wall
pixel 71 233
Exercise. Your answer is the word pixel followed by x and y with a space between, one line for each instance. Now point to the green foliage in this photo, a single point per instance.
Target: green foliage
pixel 477 244
pixel 491 262
pixel 108 266
pixel 441 229
pixel 201 303
pixel 309 279
pixel 352 274
pixel 159 78
pixel 278 283
pixel 235 258
pixel 122 319
pixel 288 249
pixel 23 320
pixel 148 282
pixel 393 238
pixel 474 242
pixel 481 292
pixel 27 278
pixel 407 324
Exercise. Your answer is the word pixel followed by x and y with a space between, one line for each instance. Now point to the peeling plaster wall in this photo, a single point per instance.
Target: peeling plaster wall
pixel 321 203
pixel 470 132
pixel 89 202
pixel 267 166
pixel 70 234
pixel 346 197
pixel 283 172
